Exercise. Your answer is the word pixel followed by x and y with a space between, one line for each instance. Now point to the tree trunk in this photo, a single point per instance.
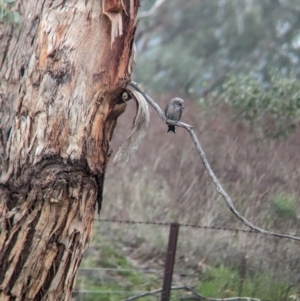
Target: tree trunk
pixel 62 73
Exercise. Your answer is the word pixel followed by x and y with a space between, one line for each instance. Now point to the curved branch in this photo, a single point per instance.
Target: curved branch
pixel 217 183
pixel 187 288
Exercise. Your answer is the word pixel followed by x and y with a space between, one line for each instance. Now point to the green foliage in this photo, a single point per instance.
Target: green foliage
pixel 285 206
pixel 275 109
pixel 223 282
pixel 110 257
pixel 187 43
pixel 217 282
pixel 111 285
pixel 8 14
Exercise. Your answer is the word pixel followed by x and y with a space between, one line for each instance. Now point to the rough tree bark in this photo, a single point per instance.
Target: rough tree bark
pixel 62 71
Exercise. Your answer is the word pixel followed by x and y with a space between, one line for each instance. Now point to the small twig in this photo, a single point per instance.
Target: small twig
pixel 217 183
pixel 187 288
pixel 143 295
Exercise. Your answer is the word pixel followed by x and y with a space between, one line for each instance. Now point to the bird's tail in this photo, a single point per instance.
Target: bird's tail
pixel 171 128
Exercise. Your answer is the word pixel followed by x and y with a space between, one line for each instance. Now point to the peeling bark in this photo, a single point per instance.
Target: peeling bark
pixel 62 73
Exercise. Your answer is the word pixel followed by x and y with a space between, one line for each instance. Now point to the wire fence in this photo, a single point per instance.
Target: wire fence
pixel 167 224
pixel 211 263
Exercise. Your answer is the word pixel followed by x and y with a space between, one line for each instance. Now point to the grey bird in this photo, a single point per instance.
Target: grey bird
pixel 173 111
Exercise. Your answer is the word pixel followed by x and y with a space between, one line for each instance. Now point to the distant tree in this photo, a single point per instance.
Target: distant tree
pixel 192 45
pixel 62 74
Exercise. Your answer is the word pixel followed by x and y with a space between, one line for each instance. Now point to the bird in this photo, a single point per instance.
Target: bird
pixel 173 111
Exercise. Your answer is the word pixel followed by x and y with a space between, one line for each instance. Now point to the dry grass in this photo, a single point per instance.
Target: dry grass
pixel 166 181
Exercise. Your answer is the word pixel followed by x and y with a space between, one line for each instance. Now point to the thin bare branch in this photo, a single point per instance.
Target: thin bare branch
pixel 187 288
pixel 153 9
pixel 217 183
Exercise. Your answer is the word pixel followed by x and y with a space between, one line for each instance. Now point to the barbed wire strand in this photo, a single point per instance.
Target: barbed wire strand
pixel 107 292
pixel 146 271
pixel 167 224
pixel 122 270
pixel 134 86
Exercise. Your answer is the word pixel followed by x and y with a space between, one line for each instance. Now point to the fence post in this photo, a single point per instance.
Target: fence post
pixel 170 260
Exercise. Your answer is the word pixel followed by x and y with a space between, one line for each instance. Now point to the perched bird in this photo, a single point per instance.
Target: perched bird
pixel 173 111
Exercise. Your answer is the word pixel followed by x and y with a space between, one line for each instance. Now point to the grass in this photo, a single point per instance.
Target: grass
pixel 214 282
pixel 285 206
pixel 109 283
pixel 223 282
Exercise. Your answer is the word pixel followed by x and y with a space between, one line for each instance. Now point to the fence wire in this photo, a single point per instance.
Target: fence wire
pixel 195 226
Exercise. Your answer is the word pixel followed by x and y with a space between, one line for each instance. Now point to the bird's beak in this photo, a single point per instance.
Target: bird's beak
pixel 182 107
